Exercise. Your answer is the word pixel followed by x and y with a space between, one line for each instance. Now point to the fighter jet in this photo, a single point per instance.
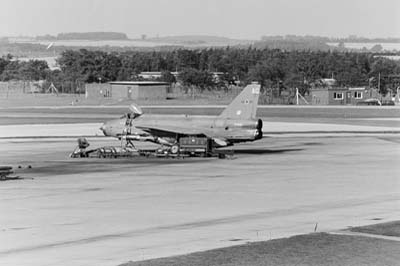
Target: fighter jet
pixel 237 123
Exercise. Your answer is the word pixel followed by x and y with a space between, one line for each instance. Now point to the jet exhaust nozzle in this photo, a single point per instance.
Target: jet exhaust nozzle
pixel 259 132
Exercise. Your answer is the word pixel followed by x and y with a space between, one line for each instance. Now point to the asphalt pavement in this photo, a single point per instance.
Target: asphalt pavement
pixel 106 212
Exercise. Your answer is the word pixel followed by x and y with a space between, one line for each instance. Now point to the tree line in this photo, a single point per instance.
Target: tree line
pixel 23 70
pixel 269 67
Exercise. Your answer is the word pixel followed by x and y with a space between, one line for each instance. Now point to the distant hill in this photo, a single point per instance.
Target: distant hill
pixel 94 36
pixel 198 40
pixel 322 39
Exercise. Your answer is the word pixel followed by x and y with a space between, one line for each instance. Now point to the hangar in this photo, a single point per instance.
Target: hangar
pixel 130 90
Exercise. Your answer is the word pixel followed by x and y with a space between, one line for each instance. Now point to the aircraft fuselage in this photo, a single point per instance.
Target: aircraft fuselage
pixel 236 123
pixel 231 130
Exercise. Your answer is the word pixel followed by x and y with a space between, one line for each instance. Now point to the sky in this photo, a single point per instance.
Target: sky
pixel 242 19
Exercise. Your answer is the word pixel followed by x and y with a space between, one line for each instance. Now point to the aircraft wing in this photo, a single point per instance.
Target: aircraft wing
pixel 174 131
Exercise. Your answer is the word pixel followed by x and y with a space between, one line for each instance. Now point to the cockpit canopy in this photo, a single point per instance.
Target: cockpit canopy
pixel 134 111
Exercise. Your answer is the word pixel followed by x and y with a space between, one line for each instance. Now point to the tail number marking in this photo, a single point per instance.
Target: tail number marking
pixel 256 90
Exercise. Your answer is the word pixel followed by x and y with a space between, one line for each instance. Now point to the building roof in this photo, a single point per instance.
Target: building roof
pixel 329 89
pixel 150 73
pixel 338 89
pixel 141 83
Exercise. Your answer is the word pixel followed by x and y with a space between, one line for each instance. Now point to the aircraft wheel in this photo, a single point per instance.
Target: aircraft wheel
pixel 174 149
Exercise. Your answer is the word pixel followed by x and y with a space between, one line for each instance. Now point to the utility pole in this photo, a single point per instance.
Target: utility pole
pixel 379 85
pixel 379 82
pixel 299 95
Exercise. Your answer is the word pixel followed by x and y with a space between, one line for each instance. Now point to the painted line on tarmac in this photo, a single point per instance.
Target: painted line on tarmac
pixel 112 106
pixel 303 133
pixel 56 136
pixel 332 132
pixel 377 119
pixel 202 106
pixel 49 138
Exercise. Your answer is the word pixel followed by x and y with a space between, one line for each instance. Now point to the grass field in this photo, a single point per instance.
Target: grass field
pixel 386 229
pixel 313 249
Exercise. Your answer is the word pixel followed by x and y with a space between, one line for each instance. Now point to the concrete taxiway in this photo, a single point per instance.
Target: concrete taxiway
pixel 340 171
pixel 270 127
pixel 106 212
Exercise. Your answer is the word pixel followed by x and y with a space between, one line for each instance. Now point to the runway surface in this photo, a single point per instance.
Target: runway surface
pixel 386 116
pixel 106 212
pixel 323 168
pixel 269 128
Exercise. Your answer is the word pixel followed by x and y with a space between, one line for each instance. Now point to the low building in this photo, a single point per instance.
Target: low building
pixel 327 92
pixel 341 95
pixel 97 90
pixel 150 75
pixel 129 90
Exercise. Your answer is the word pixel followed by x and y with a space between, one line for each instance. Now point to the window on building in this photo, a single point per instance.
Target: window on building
pixel 358 95
pixel 338 96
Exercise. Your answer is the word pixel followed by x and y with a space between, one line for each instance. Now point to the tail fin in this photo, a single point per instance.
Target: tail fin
pixel 244 106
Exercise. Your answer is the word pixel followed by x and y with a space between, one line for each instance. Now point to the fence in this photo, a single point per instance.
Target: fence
pixel 14 88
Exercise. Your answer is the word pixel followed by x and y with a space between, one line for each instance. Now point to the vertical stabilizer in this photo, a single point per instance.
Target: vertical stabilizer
pixel 244 106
